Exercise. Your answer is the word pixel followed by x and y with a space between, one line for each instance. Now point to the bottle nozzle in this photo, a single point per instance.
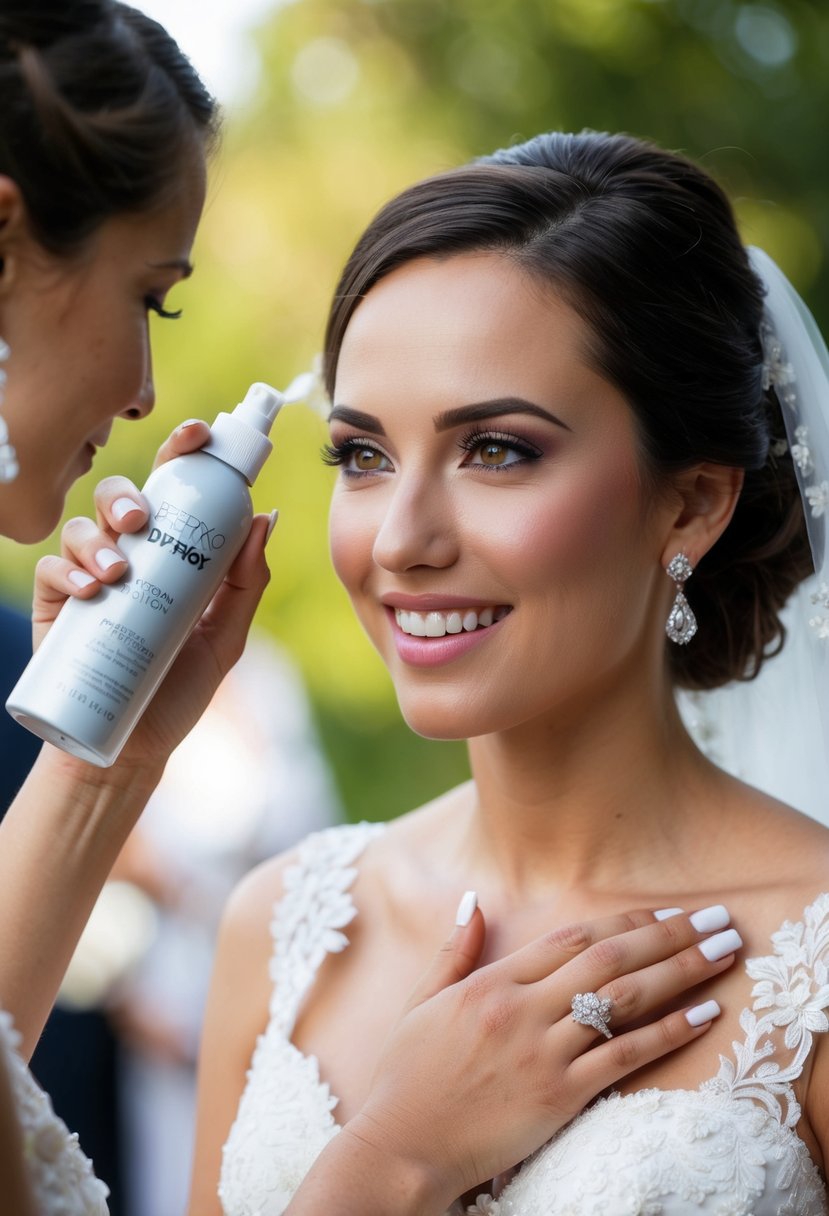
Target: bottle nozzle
pixel 241 439
pixel 260 406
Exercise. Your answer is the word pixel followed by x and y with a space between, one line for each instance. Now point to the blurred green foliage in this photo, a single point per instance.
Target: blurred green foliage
pixel 357 98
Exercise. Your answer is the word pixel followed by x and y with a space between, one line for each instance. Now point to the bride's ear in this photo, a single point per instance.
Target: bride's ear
pixel 706 497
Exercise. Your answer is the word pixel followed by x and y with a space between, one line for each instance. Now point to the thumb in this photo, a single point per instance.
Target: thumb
pixel 457 957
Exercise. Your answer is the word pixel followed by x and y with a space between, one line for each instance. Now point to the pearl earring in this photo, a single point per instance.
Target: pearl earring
pixel 9 468
pixel 681 624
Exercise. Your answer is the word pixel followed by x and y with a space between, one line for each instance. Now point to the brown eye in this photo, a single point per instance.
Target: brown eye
pixel 493 453
pixel 368 459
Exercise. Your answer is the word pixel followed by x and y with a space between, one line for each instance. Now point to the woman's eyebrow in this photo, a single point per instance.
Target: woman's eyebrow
pixel 449 418
pixel 489 409
pixel 357 419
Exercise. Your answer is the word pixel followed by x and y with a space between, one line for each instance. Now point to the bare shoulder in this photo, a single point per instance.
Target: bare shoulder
pixel 777 848
pixel 250 906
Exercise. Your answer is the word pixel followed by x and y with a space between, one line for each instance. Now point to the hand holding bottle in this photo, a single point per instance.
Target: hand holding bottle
pixel 158 585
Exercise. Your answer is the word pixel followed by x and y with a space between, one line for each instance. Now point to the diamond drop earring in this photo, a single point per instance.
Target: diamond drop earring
pixel 9 468
pixel 681 624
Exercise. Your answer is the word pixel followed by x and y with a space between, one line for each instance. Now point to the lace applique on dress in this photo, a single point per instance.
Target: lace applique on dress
pixel 60 1175
pixel 285 1115
pixel 726 1149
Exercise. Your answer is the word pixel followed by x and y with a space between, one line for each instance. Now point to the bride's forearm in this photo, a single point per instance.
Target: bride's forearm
pixel 58 842
pixel 354 1177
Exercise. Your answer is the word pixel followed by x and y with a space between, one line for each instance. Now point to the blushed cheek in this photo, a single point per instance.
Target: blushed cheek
pixel 350 540
pixel 583 531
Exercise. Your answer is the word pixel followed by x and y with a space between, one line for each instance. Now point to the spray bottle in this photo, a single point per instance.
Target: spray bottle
pixel 103 659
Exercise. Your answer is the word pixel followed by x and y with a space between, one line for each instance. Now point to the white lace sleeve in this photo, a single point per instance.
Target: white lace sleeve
pixel 60 1175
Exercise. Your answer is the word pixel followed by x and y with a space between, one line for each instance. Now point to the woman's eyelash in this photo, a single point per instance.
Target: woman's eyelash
pixel 154 305
pixel 477 439
pixel 334 454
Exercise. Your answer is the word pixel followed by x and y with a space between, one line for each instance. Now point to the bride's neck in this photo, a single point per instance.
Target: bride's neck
pixel 597 802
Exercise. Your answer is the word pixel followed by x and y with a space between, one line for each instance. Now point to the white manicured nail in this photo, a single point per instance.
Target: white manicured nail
pixel 716 947
pixel 274 516
pixel 107 558
pixel 709 919
pixel 80 578
pixel 122 507
pixel 664 913
pixel 701 1014
pixel 466 908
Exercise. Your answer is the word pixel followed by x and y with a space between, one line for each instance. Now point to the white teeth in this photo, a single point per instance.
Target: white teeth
pixel 438 624
pixel 435 625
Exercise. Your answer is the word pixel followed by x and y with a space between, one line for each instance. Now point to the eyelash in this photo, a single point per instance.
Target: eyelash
pixel 478 439
pixel 154 305
pixel 337 455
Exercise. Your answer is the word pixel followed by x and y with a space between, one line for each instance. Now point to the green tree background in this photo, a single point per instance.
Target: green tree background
pixel 356 99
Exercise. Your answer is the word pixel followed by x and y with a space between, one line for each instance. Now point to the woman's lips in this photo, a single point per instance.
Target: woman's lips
pixel 452 632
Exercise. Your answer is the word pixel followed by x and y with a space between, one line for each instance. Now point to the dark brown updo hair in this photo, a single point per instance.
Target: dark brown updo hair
pixel 643 245
pixel 99 112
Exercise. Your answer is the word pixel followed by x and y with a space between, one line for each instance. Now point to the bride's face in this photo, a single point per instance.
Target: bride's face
pixel 491 496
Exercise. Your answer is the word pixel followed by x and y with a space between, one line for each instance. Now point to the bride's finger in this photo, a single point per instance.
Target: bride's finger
pixel 458 955
pixel 592 1071
pixel 617 957
pixel 87 546
pixel 544 956
pixel 638 995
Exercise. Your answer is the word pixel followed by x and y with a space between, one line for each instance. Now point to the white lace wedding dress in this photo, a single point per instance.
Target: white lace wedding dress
pixel 728 1148
pixel 60 1176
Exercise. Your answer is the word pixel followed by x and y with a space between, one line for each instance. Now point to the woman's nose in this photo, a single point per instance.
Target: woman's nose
pixel 417 529
pixel 143 402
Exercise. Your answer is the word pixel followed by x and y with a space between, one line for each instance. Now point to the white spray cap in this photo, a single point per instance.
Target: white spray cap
pixel 241 439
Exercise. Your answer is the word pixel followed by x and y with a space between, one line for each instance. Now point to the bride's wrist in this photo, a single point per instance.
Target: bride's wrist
pixel 361 1173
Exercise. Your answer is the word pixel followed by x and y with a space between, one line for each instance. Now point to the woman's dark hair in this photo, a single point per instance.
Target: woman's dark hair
pixel 99 111
pixel 643 245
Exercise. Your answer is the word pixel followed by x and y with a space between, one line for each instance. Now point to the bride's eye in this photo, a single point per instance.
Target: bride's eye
pixel 356 457
pixel 496 450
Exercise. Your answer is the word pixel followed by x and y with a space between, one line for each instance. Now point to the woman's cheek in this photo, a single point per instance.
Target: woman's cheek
pixel 351 540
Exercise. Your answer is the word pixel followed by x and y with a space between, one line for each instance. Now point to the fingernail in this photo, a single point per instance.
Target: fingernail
pixel 182 426
pixel 122 507
pixel 709 919
pixel 664 913
pixel 274 516
pixel 107 558
pixel 701 1014
pixel 80 578
pixel 716 947
pixel 466 908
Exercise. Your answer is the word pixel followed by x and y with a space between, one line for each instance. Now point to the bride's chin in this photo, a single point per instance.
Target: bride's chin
pixel 446 723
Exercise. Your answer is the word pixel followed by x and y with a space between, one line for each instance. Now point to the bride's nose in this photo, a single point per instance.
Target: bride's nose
pixel 418 528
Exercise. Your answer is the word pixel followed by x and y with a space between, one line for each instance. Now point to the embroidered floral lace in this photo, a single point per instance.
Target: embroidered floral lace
pixel 727 1148
pixel 61 1176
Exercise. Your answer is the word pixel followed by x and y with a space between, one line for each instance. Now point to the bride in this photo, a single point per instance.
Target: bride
pixel 558 420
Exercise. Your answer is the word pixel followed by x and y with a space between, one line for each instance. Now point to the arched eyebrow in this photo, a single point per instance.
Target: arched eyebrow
pixel 475 412
pixel 479 410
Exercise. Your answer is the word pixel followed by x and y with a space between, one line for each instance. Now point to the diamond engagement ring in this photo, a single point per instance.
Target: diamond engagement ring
pixel 591 1010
